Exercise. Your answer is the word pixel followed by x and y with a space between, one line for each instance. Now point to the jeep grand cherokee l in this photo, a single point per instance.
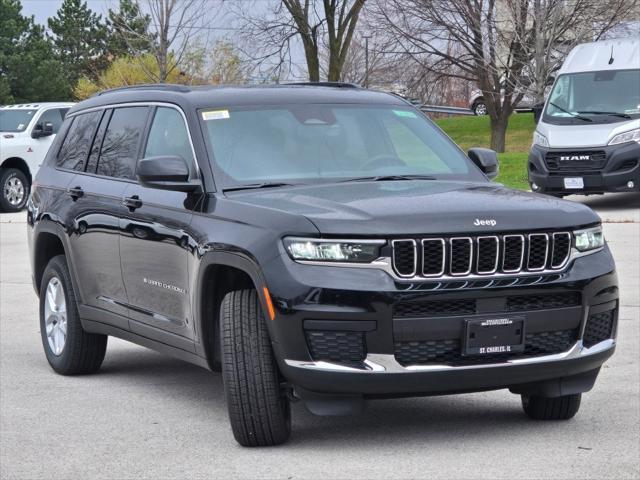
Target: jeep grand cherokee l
pixel 322 243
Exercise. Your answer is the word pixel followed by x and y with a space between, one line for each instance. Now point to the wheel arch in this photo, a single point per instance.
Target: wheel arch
pixel 50 240
pixel 20 164
pixel 221 273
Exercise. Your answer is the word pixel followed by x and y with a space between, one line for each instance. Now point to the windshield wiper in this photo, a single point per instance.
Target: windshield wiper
pixel 613 114
pixel 574 115
pixel 385 178
pixel 252 186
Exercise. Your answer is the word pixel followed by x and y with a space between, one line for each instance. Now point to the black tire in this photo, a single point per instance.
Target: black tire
pixel 12 175
pixel 479 108
pixel 555 408
pixel 259 409
pixel 82 352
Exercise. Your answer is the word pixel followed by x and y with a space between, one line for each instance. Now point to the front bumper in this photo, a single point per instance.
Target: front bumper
pixel 620 166
pixel 364 300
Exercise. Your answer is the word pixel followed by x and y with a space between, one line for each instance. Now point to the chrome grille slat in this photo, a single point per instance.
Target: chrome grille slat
pixel 537 243
pixel 431 249
pixel 460 253
pixel 561 249
pixel 481 255
pixel 402 266
pixel 507 242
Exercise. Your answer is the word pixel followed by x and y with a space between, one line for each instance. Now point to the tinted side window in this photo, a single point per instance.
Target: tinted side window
pixel 169 136
pixel 75 148
pixel 53 116
pixel 119 151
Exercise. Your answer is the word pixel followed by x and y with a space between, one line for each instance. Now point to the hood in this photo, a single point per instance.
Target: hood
pixel 398 208
pixel 584 135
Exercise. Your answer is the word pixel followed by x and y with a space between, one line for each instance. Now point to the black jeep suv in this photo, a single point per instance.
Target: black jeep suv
pixel 321 243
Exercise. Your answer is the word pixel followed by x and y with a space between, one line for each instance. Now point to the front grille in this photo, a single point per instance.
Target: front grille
pixel 599 328
pixel 448 352
pixel 436 308
pixel 576 161
pixel 337 347
pixel 481 255
pixel 520 303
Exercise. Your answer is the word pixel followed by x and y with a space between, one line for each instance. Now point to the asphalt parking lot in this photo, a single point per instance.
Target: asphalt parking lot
pixel 149 416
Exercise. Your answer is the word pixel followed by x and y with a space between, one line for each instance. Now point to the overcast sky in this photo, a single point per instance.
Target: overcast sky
pixel 43 9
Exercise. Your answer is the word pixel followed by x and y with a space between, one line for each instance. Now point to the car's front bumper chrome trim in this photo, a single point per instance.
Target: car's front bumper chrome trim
pixel 385 363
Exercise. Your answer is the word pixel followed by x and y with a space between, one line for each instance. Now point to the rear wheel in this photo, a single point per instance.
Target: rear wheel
pixel 551 408
pixel 15 190
pixel 259 409
pixel 69 349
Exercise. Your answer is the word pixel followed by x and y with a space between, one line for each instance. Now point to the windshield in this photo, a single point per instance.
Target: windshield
pixel 594 97
pixel 15 120
pixel 316 143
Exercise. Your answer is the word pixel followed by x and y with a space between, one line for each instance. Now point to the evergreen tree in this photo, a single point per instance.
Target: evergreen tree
pixel 79 38
pixel 128 30
pixel 29 70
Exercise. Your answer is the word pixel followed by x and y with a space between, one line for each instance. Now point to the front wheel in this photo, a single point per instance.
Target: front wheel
pixel 551 408
pixel 259 409
pixel 480 108
pixel 15 190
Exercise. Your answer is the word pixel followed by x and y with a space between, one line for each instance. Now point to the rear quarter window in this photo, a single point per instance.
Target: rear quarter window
pixel 77 143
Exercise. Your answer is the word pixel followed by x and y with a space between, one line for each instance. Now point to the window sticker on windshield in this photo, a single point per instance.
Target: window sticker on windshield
pixel 405 113
pixel 215 114
pixel 21 126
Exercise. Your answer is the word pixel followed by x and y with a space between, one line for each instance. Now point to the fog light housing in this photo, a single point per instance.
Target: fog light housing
pixel 534 186
pixel 630 184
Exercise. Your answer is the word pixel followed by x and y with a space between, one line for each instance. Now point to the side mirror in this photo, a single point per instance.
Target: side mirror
pixel 166 172
pixel 550 80
pixel 42 130
pixel 537 111
pixel 486 160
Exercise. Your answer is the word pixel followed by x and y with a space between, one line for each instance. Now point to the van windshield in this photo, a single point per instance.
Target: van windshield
pixel 607 96
pixel 15 120
pixel 324 143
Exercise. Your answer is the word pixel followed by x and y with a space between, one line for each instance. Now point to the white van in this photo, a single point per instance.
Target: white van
pixel 588 137
pixel 26 133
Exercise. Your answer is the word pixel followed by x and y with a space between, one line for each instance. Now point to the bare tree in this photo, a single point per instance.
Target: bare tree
pixel 173 26
pixel 492 43
pixel 559 25
pixel 324 29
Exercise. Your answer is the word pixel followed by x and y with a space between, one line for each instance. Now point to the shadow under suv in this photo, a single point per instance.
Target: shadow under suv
pixel 321 243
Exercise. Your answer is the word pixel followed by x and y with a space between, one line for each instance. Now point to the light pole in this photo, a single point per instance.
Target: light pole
pixel 366 60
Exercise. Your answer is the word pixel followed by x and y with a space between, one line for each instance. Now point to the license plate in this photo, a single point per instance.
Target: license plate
pixel 494 335
pixel 576 183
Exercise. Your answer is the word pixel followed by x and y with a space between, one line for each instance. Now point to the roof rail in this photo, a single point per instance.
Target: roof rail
pixel 324 84
pixel 147 86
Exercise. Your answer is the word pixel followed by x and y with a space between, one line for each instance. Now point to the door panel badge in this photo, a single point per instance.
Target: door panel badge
pixel 166 286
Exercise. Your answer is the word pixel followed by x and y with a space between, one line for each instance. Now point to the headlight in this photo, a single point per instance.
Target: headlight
pixel 589 239
pixel 539 139
pixel 311 249
pixel 624 137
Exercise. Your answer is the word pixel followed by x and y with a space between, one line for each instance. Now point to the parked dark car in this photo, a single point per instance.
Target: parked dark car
pixel 321 243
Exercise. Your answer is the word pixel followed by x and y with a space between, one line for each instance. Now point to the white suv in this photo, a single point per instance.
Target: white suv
pixel 26 133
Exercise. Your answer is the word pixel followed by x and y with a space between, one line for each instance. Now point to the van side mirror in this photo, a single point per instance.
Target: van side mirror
pixel 486 160
pixel 166 172
pixel 537 111
pixel 42 130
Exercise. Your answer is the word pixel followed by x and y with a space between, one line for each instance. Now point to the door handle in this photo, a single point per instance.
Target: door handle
pixel 75 193
pixel 132 202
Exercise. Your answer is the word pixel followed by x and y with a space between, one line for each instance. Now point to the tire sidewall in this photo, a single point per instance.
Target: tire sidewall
pixel 5 176
pixel 57 268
